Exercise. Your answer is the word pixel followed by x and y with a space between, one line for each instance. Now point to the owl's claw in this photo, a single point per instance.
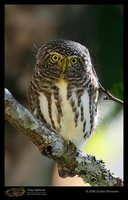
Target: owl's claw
pixel 70 148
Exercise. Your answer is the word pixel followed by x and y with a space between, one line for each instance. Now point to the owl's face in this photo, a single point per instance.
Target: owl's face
pixel 63 56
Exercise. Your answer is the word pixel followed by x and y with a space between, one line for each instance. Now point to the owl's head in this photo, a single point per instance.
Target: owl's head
pixel 63 55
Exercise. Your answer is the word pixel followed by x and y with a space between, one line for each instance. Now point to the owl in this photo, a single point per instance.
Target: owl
pixel 64 91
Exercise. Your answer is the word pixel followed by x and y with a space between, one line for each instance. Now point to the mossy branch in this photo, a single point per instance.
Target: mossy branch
pixel 50 144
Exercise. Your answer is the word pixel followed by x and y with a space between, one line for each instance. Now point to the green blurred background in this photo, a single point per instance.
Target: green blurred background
pixel 100 29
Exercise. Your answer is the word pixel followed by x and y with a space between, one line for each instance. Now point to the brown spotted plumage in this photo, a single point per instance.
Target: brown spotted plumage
pixel 63 91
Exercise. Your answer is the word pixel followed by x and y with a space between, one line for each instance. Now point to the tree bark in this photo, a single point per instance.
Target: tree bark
pixel 50 144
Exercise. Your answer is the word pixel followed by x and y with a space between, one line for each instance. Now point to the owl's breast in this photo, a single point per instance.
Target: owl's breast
pixel 70 117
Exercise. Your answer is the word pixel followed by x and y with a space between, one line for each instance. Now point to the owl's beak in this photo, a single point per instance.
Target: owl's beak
pixel 62 64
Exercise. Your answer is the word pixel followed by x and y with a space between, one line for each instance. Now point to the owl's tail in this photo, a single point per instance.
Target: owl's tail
pixel 64 171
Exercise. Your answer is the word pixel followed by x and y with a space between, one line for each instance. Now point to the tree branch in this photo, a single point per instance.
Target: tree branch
pixel 110 96
pixel 53 146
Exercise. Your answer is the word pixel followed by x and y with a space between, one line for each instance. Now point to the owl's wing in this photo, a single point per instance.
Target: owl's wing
pixel 33 102
pixel 32 99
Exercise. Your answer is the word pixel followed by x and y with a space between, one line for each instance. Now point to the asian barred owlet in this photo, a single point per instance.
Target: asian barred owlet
pixel 64 91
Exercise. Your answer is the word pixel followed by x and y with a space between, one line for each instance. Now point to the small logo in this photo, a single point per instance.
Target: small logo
pixel 15 192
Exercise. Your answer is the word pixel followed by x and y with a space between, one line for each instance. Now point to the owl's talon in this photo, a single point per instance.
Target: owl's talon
pixel 70 148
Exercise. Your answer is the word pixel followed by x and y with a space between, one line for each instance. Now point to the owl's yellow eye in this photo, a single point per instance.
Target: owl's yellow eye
pixel 55 57
pixel 74 61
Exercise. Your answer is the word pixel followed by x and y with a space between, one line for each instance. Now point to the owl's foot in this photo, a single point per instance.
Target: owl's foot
pixel 70 148
pixel 64 170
